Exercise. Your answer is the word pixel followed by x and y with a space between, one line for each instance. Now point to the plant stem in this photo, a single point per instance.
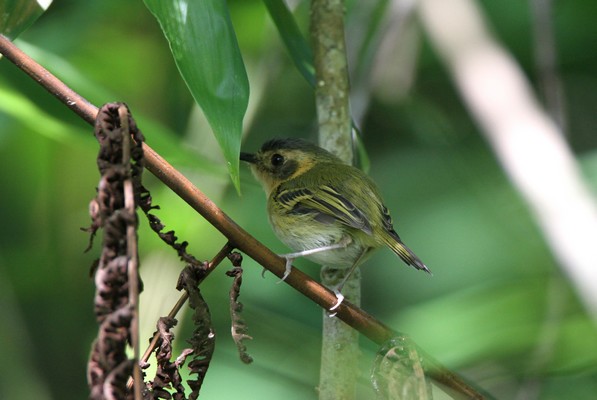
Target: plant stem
pixel 331 77
pixel 340 343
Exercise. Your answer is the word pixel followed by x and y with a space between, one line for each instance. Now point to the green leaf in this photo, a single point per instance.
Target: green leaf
pixel 206 53
pixel 295 42
pixel 18 15
pixel 397 371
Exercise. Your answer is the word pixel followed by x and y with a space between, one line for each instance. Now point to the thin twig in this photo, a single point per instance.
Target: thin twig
pixel 353 316
pixel 184 297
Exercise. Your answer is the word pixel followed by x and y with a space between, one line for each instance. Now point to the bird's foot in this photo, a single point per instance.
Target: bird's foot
pixel 288 269
pixel 340 299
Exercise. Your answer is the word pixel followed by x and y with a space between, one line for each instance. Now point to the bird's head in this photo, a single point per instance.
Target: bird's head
pixel 280 160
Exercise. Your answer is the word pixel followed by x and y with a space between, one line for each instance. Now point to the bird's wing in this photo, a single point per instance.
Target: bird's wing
pixel 326 204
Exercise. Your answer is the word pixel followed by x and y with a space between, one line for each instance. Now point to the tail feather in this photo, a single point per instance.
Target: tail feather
pixel 392 240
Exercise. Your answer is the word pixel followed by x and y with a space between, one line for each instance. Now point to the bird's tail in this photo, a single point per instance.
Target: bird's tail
pixel 393 241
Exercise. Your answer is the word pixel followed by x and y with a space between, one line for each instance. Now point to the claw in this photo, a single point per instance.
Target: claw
pixel 340 298
pixel 288 269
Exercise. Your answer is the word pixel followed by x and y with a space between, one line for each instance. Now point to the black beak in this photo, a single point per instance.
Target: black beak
pixel 248 157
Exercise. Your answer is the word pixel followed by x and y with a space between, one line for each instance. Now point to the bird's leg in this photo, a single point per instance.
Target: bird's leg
pixel 337 289
pixel 290 257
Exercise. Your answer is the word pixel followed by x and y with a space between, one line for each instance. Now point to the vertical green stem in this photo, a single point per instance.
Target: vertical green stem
pixel 340 349
pixel 331 74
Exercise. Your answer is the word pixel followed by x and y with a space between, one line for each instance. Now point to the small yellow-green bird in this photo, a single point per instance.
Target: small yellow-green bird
pixel 323 209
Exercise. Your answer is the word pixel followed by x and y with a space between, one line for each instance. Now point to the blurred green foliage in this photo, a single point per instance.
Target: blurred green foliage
pixel 498 308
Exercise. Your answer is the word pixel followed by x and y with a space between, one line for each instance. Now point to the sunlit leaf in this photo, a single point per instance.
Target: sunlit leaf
pixel 206 52
pixel 18 15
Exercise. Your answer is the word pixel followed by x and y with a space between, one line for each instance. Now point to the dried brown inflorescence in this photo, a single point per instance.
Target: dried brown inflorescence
pixel 119 193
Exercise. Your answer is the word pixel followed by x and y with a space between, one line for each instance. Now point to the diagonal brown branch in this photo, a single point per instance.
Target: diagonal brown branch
pixel 239 238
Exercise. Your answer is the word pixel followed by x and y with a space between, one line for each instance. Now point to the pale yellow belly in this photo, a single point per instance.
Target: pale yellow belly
pixel 303 233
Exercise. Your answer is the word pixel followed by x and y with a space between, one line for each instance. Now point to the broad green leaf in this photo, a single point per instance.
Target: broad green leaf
pixel 18 15
pixel 206 52
pixel 295 42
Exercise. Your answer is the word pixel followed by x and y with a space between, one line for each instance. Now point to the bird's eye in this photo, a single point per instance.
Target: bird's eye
pixel 277 160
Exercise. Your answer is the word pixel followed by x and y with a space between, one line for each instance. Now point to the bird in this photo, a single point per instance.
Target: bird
pixel 323 209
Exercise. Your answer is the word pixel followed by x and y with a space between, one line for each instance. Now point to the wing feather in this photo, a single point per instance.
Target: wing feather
pixel 326 205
